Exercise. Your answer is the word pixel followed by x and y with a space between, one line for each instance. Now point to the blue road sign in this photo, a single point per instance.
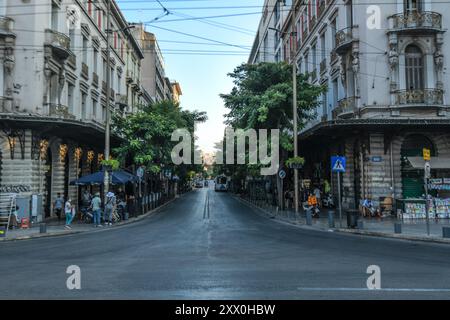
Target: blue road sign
pixel 338 164
pixel 282 174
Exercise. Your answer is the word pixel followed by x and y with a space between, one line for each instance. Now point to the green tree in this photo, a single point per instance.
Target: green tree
pixel 146 135
pixel 262 99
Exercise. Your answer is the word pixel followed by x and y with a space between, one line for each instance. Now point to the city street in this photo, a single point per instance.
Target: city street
pixel 208 245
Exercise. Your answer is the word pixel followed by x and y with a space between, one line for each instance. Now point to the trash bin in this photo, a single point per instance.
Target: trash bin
pixel 352 218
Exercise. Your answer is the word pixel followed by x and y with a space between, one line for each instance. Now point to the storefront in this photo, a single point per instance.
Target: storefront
pixel 414 206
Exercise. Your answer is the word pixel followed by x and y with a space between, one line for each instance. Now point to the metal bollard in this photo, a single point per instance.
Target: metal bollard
pixel 43 228
pixel 398 228
pixel 309 217
pixel 446 232
pixel 331 219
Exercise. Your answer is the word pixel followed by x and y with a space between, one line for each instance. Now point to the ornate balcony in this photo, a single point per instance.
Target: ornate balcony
pixel 58 111
pixel 416 21
pixel 420 97
pixel 58 42
pixel 6 26
pixel 346 107
pixel 344 39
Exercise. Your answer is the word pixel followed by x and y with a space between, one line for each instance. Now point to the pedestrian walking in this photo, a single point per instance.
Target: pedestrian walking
pixel 110 206
pixel 96 204
pixel 69 211
pixel 58 205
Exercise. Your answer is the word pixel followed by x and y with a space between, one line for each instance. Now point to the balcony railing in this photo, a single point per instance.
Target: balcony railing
pixel 422 96
pixel 344 39
pixel 345 106
pixel 416 20
pixel 58 111
pixel 95 79
pixel 6 25
pixel 59 42
pixel 85 71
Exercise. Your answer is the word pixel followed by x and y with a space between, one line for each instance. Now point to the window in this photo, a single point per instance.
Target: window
pixel 323 49
pixel 99 18
pixel 95 60
pixel 333 33
pixel 89 7
pixel 412 5
pixel 314 57
pixel 335 92
pixel 276 12
pixel 83 106
pixel 72 39
pixel 70 97
pixel 306 60
pixel 304 23
pixel 414 68
pixel 105 70
pixel 85 50
pixel 94 109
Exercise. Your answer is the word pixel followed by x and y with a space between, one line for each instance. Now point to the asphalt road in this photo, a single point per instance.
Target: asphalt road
pixel 227 252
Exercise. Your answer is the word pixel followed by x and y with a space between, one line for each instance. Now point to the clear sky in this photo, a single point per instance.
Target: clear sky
pixel 202 68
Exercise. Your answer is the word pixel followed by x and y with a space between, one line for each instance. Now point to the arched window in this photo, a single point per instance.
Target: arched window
pixel 412 5
pixel 414 68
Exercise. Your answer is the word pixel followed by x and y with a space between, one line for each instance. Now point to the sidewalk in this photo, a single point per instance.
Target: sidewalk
pixel 412 229
pixel 56 228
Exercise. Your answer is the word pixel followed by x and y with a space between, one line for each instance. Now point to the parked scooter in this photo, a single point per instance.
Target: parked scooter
pixel 87 216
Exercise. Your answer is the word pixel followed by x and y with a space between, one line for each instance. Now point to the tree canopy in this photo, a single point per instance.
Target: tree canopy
pixel 146 134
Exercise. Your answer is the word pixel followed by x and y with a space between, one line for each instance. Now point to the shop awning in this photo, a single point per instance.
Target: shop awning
pixel 436 162
pixel 117 178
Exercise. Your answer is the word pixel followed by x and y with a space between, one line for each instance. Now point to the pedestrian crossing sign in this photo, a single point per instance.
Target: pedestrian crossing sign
pixel 338 164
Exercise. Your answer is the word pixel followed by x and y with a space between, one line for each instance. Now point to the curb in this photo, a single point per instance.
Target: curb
pixel 68 233
pixel 347 231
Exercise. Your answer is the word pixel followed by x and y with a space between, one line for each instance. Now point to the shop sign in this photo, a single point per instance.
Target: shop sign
pixel 447 180
pixel 436 181
pixel 426 154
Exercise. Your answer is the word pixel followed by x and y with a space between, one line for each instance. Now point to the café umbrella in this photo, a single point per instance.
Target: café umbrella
pixel 116 177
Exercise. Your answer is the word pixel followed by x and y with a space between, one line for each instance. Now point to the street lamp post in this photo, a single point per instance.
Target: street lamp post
pixel 108 95
pixel 294 112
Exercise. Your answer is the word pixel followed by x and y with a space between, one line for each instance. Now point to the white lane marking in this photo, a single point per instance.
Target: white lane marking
pixel 375 290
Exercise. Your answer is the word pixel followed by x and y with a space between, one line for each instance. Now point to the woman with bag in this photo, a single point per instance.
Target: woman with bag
pixel 69 210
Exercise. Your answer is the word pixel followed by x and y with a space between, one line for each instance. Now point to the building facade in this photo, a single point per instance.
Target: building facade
pixel 267 46
pixel 153 73
pixel 388 92
pixel 53 84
